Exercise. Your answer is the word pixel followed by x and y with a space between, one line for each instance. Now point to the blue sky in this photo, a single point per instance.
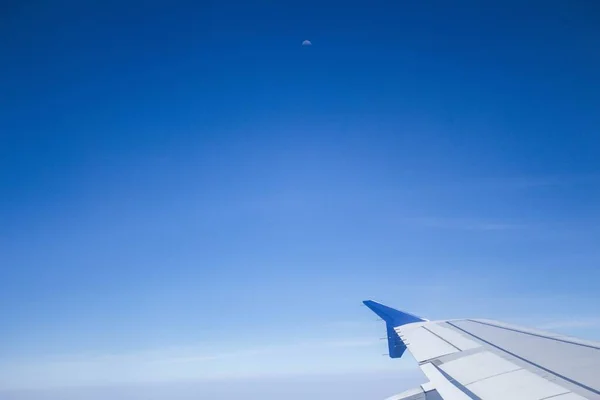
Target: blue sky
pixel 185 184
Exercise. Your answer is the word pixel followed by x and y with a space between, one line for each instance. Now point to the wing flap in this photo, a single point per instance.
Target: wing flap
pixel 424 344
pixel 444 387
pixel 454 338
pixel 516 385
pixel 477 366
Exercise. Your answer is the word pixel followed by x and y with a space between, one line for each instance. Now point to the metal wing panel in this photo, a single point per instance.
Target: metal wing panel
pixel 454 338
pixel 516 385
pixel 576 363
pixel 445 388
pixel 569 396
pixel 425 345
pixel 539 332
pixel 478 366
pixel 490 360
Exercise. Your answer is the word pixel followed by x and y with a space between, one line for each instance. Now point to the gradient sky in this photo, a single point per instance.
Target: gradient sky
pixel 189 194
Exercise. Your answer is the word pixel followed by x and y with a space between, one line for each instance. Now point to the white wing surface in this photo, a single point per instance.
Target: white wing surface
pixel 490 360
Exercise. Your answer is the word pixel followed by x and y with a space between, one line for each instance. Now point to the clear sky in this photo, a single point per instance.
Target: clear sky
pixel 188 194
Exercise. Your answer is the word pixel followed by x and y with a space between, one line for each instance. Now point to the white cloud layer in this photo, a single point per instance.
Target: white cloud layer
pixel 353 386
pixel 197 363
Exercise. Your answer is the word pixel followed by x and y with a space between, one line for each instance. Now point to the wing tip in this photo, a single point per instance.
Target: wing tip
pixel 391 315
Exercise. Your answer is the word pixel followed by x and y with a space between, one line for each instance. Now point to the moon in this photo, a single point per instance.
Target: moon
pixel 307 43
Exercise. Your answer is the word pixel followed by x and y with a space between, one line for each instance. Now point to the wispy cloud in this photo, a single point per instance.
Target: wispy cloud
pixel 470 224
pixel 229 360
pixel 550 180
pixel 523 182
pixel 183 355
pixel 348 386
pixel 571 323
pixel 349 324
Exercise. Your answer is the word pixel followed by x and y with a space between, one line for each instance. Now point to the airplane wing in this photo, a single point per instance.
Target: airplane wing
pixel 490 360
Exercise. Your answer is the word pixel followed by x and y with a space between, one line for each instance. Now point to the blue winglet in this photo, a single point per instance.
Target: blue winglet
pixel 393 318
